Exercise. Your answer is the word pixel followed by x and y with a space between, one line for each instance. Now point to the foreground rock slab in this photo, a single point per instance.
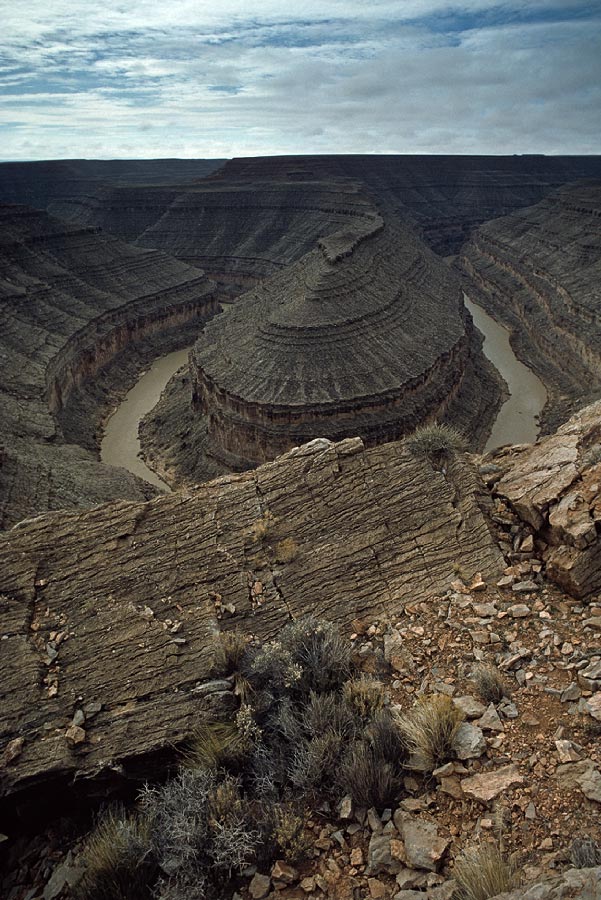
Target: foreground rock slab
pixel 114 612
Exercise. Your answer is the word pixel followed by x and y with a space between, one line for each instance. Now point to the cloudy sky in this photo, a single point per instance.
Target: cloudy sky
pixel 193 78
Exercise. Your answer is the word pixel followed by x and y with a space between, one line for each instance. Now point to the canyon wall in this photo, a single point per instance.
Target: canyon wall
pixel 70 300
pixel 116 610
pixel 365 335
pixel 444 197
pixel 539 272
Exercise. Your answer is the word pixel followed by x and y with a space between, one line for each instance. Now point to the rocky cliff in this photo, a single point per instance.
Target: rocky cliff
pixel 115 610
pixel 365 335
pixel 444 197
pixel 70 300
pixel 39 183
pixel 539 271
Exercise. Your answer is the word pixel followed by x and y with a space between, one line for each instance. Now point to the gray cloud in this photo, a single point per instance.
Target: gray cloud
pixel 418 76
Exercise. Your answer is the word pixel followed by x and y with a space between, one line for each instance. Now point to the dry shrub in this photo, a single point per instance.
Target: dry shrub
pixel 264 526
pixel 233 838
pixel 286 550
pixel 323 655
pixel 585 853
pixel 435 442
pixel 483 872
pixel 229 653
pixel 364 696
pixel 215 745
pixel 370 780
pixel 119 864
pixel 429 731
pixel 490 684
pixel 289 834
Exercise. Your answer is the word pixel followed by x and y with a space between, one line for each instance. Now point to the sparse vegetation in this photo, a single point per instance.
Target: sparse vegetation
pixel 214 745
pixel 489 683
pixel 286 550
pixel 118 860
pixel 585 853
pixel 429 731
pixel 264 526
pixel 437 443
pixel 365 696
pixel 483 872
pixel 229 652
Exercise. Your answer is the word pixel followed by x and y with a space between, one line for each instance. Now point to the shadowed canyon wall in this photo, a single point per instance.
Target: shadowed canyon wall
pixel 539 272
pixel 70 300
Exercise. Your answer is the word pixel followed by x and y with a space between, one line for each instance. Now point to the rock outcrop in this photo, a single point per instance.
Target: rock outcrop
pixel 555 487
pixel 40 183
pixel 365 335
pixel 538 271
pixel 445 197
pixel 70 300
pixel 113 612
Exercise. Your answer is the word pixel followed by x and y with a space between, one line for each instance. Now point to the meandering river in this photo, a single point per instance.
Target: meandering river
pixel 121 444
pixel 516 422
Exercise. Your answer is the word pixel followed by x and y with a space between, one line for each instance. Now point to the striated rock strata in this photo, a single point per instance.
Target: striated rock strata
pixel 114 610
pixel 247 217
pixel 366 334
pixel 70 300
pixel 539 272
pixel 555 487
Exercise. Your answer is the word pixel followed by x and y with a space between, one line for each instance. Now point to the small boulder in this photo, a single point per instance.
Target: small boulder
pixel 469 741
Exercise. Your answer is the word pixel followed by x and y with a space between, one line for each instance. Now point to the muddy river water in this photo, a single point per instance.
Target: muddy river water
pixel 121 444
pixel 516 422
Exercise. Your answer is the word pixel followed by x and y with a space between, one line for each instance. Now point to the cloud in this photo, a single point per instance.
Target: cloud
pixel 190 79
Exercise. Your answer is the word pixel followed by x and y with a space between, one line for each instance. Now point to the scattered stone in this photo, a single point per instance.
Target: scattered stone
pixel 356 857
pixel 469 706
pixel 259 886
pixel 590 783
pixel 519 611
pixel 525 587
pixel 283 872
pixel 469 741
pixel 424 847
pixel 12 751
pixel 377 890
pixel 75 734
pixel 490 784
pixel 490 721
pixel 345 807
pixel 567 752
pixel 593 706
pixel 571 693
pixel 477 583
pixel 64 876
pixel 79 718
pixel 379 855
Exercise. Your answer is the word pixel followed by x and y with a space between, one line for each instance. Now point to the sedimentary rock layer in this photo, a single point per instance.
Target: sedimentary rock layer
pixel 365 335
pixel 554 487
pixel 70 299
pixel 238 230
pixel 249 215
pixel 39 183
pixel 539 271
pixel 114 610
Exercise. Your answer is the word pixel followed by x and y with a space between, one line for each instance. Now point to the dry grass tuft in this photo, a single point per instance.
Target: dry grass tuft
pixel 230 649
pixel 119 865
pixel 289 834
pixel 429 731
pixel 490 684
pixel 585 853
pixel 483 872
pixel 364 696
pixel 214 745
pixel 286 550
pixel 264 526
pixel 435 442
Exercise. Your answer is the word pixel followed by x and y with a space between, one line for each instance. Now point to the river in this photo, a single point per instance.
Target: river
pixel 121 444
pixel 517 421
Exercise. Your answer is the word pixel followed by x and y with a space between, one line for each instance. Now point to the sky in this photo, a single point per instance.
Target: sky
pixel 192 78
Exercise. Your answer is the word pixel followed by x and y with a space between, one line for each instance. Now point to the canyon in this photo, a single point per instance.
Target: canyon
pixel 324 327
